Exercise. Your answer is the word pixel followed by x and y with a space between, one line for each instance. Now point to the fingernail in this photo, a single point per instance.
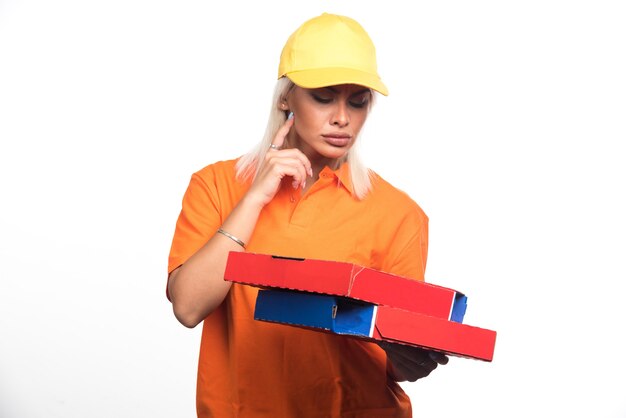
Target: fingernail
pixel 294 184
pixel 310 172
pixel 304 184
pixel 290 115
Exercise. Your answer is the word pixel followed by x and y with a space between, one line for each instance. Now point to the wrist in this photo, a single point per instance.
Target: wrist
pixel 250 202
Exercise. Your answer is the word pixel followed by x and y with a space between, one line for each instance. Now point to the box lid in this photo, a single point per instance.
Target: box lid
pixel 348 280
pixel 450 337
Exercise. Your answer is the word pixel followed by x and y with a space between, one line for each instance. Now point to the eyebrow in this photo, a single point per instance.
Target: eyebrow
pixel 334 90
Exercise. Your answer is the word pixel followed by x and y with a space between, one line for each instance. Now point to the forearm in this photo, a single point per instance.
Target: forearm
pixel 198 287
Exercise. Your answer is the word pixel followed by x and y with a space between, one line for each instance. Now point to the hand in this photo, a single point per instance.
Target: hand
pixel 279 163
pixel 406 363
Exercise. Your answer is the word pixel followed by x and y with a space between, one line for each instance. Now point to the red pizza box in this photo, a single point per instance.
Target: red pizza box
pixel 375 323
pixel 348 280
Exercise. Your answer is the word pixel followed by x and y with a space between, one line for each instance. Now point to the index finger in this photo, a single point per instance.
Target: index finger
pixel 279 138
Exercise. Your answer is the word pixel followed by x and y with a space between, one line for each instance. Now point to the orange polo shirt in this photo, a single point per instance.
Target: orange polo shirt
pixel 249 368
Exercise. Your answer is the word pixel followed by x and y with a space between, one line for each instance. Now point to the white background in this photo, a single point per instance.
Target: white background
pixel 505 122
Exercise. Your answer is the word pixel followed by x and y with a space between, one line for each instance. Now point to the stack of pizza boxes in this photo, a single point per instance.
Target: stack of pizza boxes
pixel 348 299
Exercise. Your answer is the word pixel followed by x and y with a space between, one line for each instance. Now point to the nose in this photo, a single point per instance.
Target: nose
pixel 340 116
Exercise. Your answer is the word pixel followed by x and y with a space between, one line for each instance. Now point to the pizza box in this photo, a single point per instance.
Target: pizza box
pixel 347 280
pixel 344 316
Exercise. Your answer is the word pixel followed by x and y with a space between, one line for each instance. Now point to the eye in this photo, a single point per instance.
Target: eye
pixel 321 99
pixel 359 102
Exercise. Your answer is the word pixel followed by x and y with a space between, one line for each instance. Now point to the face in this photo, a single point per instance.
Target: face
pixel 327 120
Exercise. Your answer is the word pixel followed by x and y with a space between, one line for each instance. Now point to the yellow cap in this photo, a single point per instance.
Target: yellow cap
pixel 329 50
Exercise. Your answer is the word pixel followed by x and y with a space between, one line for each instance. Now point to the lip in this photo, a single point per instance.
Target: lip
pixel 338 139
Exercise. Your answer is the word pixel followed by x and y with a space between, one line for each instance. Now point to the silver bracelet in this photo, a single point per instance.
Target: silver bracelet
pixel 234 238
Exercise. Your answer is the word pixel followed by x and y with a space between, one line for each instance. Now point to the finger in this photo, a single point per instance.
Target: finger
pixel 428 365
pixel 406 370
pixel 276 159
pixel 415 358
pixel 279 138
pixel 412 354
pixel 410 358
pixel 438 357
pixel 292 153
pixel 296 153
pixel 281 170
pixel 296 172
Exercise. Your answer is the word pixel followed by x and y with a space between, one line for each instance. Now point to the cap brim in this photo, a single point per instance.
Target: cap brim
pixel 324 77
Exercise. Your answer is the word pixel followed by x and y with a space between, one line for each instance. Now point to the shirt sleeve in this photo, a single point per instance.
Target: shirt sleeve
pixel 198 220
pixel 410 258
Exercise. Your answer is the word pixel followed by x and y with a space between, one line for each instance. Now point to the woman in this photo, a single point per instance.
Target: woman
pixel 301 193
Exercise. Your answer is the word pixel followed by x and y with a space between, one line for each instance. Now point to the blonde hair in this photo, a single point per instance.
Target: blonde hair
pixel 248 167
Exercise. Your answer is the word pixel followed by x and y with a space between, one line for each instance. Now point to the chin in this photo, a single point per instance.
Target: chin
pixel 335 154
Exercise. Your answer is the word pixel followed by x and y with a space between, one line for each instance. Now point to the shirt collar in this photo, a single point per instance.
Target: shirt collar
pixel 342 176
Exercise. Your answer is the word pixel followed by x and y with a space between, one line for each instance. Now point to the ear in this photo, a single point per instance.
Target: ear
pixel 282 105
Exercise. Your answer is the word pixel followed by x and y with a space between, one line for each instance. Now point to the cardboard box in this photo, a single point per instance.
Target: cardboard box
pixel 377 323
pixel 347 280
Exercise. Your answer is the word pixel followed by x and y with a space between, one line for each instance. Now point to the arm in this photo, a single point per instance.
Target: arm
pixel 197 287
pixel 407 363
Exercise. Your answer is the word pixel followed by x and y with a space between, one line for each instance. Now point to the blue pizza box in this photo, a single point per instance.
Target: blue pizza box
pixel 349 317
